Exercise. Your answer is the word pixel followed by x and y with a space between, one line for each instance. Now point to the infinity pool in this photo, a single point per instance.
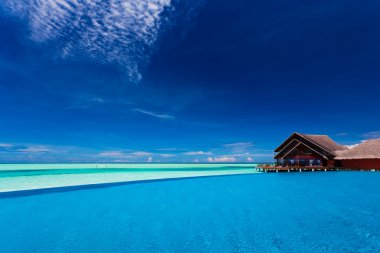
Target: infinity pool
pixel 289 212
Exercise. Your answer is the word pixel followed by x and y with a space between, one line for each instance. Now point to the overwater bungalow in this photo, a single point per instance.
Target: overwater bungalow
pixel 320 152
pixel 363 156
pixel 308 150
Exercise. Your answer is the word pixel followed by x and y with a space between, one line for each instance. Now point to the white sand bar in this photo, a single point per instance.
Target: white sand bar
pixel 19 177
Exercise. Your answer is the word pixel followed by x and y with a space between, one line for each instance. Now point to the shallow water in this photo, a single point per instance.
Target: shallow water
pixel 285 212
pixel 18 177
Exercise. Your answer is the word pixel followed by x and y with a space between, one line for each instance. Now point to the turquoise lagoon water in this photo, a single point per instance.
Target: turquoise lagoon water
pixel 7 170
pixel 284 212
pixel 16 177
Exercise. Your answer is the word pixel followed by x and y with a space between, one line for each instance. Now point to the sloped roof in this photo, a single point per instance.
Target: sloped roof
pixel 325 142
pixel 366 150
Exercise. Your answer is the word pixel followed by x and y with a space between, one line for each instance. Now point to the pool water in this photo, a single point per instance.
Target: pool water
pixel 284 212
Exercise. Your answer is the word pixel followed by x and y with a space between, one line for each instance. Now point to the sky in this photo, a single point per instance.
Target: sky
pixel 184 80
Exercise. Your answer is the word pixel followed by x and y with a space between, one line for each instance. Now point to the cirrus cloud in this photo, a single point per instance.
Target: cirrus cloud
pixel 238 147
pixel 372 135
pixel 153 114
pixel 194 153
pixel 223 159
pixel 123 32
pixel 16 148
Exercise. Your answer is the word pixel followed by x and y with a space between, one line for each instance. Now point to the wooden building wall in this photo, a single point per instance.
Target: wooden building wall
pixel 360 164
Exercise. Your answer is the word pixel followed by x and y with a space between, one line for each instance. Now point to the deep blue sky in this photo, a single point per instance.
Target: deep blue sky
pixel 184 80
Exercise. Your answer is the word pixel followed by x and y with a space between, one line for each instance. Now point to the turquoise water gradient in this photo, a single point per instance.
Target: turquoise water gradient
pixel 285 212
pixel 19 177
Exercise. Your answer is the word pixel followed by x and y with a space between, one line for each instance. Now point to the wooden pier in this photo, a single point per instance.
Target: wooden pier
pixel 277 169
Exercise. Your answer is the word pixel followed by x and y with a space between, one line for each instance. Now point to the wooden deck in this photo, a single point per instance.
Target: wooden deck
pixel 271 168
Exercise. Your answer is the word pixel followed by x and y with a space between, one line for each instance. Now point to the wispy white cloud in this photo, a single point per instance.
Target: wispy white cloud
pixel 112 154
pixel 239 157
pixel 153 114
pixel 171 149
pixel 84 101
pixel 132 156
pixel 114 31
pixel 194 153
pixel 17 148
pixel 366 136
pixel 141 153
pixel 167 155
pixel 10 152
pixel 36 149
pixel 145 154
pixel 124 32
pixel 372 135
pixel 352 146
pixel 222 159
pixel 356 144
pixel 238 147
pixel 5 145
